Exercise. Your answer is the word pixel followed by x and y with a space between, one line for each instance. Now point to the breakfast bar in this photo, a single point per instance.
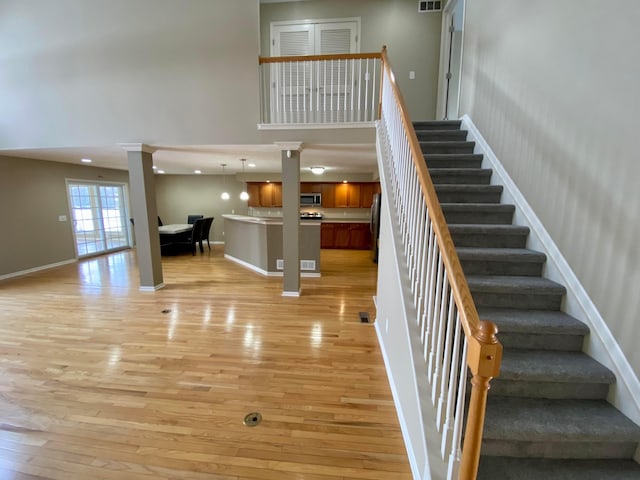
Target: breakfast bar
pixel 256 242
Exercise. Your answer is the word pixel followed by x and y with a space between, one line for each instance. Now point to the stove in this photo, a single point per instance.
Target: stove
pixel 310 216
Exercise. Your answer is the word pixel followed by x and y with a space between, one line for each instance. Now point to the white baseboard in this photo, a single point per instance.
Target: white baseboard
pixel 151 289
pixel 600 344
pixel 266 273
pixel 37 269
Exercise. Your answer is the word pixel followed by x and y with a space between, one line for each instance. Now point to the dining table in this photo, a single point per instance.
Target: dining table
pixel 172 234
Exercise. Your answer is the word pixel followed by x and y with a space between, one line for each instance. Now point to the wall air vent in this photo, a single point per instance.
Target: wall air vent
pixel 430 6
pixel 304 264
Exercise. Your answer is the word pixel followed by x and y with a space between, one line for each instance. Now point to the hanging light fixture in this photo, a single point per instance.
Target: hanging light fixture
pixel 243 195
pixel 225 195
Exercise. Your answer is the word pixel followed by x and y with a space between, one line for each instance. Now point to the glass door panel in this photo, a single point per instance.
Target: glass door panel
pixel 99 213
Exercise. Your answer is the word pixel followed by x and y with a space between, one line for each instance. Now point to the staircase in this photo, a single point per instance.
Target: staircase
pixel 547 415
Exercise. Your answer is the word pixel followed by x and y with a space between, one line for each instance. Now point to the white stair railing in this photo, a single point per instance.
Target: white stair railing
pixel 320 89
pixel 454 341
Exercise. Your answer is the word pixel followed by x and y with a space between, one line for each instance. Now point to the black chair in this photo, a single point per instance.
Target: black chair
pixel 193 218
pixel 194 238
pixel 205 232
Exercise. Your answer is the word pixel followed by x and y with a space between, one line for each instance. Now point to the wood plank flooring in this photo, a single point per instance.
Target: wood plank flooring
pixel 101 381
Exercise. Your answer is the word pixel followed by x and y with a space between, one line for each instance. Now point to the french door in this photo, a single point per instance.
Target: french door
pixel 99 215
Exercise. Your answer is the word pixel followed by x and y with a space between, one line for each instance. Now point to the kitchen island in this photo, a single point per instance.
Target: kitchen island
pixel 256 243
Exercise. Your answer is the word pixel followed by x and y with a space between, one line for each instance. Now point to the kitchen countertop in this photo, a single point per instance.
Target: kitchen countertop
pixel 304 221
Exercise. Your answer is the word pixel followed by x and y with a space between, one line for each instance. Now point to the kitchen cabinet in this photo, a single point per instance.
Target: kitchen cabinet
pixel 328 195
pixel 264 194
pixel 347 195
pixel 345 235
pixel 366 194
pixel 271 195
pixel 253 189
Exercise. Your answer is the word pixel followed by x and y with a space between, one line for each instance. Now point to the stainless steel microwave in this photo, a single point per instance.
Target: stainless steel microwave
pixel 310 199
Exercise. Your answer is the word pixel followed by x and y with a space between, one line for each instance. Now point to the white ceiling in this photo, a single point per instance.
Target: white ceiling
pixel 173 159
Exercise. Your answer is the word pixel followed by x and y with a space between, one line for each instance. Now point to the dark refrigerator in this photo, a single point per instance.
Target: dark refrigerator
pixel 375 226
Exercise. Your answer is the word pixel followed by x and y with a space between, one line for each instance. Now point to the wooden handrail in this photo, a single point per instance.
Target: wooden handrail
pixel 484 349
pixel 315 58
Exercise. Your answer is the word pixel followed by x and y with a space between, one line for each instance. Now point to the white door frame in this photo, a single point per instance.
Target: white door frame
pixel 445 49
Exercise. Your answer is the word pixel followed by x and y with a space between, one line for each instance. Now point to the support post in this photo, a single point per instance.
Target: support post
pixel 145 213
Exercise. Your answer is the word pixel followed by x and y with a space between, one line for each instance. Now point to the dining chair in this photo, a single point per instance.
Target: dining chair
pixel 205 232
pixel 193 218
pixel 194 238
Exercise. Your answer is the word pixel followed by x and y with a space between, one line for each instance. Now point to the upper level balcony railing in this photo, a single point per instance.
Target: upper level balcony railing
pixel 320 89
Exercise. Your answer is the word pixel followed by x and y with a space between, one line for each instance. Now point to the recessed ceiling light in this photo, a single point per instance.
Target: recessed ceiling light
pixel 251 165
pixel 154 167
pixel 197 172
pixel 160 171
pixel 86 160
pixel 317 170
pixel 345 181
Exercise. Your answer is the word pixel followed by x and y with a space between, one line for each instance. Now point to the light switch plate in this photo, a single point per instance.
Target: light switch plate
pixel 62 218
pixel 412 75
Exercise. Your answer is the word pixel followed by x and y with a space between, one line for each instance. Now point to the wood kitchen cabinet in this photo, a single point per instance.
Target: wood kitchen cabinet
pixel 345 235
pixel 253 189
pixel 347 195
pixel 366 194
pixel 328 195
pixel 264 194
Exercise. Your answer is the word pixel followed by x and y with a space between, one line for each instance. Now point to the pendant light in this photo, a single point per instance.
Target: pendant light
pixel 225 195
pixel 243 195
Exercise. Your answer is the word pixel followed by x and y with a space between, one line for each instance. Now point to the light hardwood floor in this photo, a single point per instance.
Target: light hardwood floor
pixel 102 381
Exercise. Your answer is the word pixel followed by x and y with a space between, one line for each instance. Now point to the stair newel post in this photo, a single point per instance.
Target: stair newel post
pixel 484 357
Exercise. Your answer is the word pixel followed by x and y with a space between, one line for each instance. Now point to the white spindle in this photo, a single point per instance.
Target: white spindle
pixel 446 362
pixel 454 457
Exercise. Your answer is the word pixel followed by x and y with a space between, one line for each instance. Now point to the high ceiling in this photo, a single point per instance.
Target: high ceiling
pixel 172 159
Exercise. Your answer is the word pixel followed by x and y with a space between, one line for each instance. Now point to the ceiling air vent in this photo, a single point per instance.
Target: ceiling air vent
pixel 430 6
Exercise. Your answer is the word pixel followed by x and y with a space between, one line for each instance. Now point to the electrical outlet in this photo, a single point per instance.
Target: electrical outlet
pixel 412 75
pixel 62 218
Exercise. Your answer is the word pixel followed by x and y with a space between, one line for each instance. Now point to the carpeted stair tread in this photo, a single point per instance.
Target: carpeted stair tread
pixel 507 468
pixel 441 135
pixel 458 146
pixel 483 213
pixel 533 321
pixel 540 420
pixel 489 235
pixel 469 193
pixel 509 284
pixel 453 160
pixel 550 366
pixel 502 254
pixel 460 176
pixel 501 261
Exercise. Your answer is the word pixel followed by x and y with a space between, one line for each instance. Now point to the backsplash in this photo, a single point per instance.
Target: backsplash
pixel 328 213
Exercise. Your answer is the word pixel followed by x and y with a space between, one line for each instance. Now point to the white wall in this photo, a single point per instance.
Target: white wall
pixel 553 87
pixel 412 38
pixel 95 72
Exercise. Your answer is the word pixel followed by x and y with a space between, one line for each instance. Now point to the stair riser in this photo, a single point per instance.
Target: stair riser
pixel 428 149
pixel 525 301
pixel 557 449
pixel 442 136
pixel 453 162
pixel 468 179
pixel 567 343
pixel 485 218
pixel 488 240
pixel 585 391
pixel 469 197
pixel 443 125
pixel 487 267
